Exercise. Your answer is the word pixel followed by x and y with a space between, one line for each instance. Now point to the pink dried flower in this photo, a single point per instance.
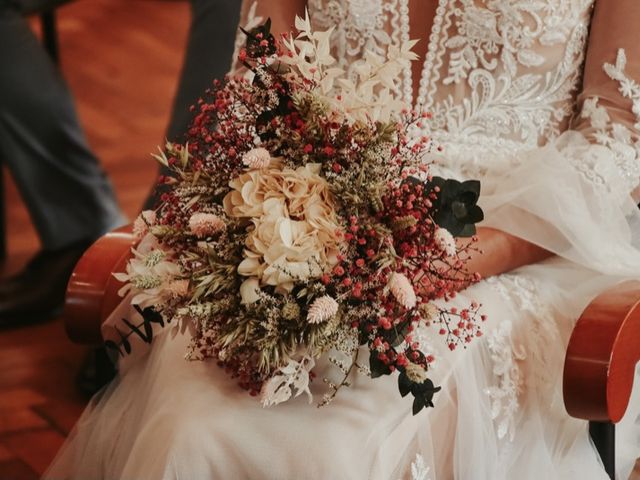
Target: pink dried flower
pixel 445 242
pixel 402 290
pixel 142 223
pixel 257 158
pixel 205 224
pixel 322 309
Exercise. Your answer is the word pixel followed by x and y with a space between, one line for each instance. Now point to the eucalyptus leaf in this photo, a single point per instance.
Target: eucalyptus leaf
pixel 124 341
pixel 146 336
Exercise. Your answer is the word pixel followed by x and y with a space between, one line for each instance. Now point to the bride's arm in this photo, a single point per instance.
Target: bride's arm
pixel 617 108
pixel 610 98
pixel 502 252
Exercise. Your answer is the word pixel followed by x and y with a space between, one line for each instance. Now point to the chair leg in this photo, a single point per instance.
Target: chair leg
pixel 96 371
pixel 50 35
pixel 3 220
pixel 603 435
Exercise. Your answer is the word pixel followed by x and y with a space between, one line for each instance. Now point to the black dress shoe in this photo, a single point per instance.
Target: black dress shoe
pixel 37 293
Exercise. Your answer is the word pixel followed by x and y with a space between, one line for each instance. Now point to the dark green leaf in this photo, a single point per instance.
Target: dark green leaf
pixel 150 315
pixel 475 214
pixel 459 210
pixel 418 404
pixel 426 391
pixel 124 341
pixel 404 384
pixel 472 186
pixel 147 335
pixel 377 367
pixel 469 230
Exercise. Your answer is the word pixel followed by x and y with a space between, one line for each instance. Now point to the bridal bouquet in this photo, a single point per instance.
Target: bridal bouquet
pixel 301 221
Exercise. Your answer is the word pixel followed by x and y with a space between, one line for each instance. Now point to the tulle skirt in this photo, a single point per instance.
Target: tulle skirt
pixel 500 414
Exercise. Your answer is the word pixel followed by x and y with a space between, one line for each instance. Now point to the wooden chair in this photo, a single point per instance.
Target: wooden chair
pixel 600 364
pixel 598 372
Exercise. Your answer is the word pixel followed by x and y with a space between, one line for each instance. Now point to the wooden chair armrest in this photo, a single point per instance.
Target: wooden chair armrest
pixel 602 354
pixel 92 292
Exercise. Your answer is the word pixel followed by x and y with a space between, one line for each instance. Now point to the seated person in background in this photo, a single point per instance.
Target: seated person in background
pixel 209 54
pixel 70 199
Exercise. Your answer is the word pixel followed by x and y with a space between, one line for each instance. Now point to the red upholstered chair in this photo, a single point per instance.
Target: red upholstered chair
pixel 598 373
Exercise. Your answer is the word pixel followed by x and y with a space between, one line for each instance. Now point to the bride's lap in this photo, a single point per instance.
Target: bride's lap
pixel 165 414
pixel 207 412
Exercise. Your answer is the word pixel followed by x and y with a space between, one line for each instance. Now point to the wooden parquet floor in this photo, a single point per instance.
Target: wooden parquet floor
pixel 121 59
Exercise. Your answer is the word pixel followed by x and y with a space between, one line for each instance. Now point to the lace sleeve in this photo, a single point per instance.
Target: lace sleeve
pixel 255 12
pixel 609 104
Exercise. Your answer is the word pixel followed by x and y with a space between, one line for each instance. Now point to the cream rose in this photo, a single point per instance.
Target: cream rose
pixel 294 232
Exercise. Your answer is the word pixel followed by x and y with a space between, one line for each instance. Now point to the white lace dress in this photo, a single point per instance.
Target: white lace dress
pixel 502 79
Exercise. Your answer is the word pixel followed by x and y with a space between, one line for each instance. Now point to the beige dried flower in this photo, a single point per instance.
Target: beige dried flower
pixel 142 223
pixel 416 373
pixel 403 223
pixel 291 311
pixel 295 233
pixel 178 288
pixel 402 290
pixel 322 309
pixel 257 158
pixel 428 311
pixel 205 224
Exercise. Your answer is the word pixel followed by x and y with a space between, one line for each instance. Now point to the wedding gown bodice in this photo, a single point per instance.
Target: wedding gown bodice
pixel 498 77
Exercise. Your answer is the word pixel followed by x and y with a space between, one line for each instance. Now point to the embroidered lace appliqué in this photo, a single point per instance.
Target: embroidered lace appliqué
pixel 504 395
pixel 512 96
pixel 419 469
pixel 360 26
pixel 488 78
pixel 622 142
pixel 507 353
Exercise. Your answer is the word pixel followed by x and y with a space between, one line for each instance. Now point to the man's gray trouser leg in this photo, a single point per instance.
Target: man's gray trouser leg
pixel 67 193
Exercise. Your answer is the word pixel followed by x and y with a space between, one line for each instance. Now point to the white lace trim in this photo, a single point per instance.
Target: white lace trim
pixel 419 469
pixel 507 353
pixel 628 87
pixel 504 395
pixel 623 143
pixel 505 356
pixel 360 26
